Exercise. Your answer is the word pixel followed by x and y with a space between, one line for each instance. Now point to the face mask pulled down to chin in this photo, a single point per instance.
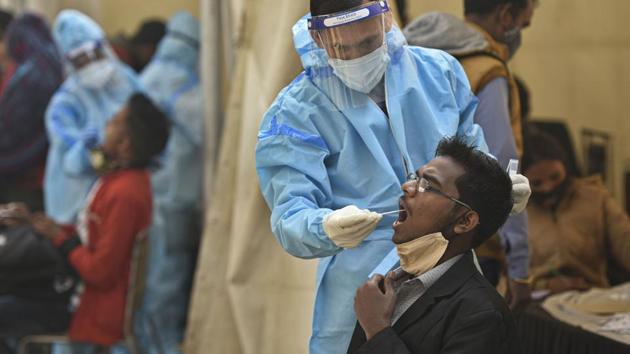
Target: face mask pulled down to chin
pixel 100 162
pixel 422 254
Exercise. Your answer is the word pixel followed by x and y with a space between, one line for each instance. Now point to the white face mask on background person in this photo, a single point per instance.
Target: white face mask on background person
pixel 364 73
pixel 96 74
pixel 422 254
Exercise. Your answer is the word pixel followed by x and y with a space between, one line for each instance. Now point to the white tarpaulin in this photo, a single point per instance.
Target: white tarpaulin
pixel 250 296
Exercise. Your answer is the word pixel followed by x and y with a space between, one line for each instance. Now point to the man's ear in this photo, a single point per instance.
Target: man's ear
pixel 125 149
pixel 316 38
pixel 466 223
pixel 506 16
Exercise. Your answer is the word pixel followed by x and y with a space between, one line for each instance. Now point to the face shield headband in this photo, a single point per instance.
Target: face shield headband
pixel 88 48
pixel 343 18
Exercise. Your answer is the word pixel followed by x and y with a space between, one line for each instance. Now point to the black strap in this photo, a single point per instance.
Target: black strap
pixel 69 245
pixel 494 56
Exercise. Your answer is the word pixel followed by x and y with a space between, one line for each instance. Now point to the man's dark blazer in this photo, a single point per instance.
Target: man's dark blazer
pixel 460 313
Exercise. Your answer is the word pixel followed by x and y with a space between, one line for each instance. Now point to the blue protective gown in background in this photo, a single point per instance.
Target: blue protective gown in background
pixel 172 81
pixel 76 119
pixel 314 156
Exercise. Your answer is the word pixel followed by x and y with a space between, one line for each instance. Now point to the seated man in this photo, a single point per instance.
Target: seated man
pixel 575 225
pixel 117 210
pixel 438 302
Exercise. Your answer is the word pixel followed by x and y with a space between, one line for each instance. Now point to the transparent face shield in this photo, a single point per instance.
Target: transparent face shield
pixel 356 51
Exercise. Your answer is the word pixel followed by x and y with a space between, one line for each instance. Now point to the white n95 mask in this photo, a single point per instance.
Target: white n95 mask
pixel 364 73
pixel 422 254
pixel 96 74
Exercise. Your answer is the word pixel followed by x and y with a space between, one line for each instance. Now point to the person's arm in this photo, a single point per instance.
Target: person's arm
pixel 101 264
pixel 493 116
pixel 618 233
pixel 294 181
pixel 467 104
pixel 188 114
pixel 65 123
pixel 514 238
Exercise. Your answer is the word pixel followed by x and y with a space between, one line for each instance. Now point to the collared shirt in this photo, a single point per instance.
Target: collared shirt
pixel 411 290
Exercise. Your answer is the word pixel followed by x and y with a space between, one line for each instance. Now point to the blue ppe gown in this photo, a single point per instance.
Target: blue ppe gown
pixel 172 81
pixel 314 156
pixel 75 120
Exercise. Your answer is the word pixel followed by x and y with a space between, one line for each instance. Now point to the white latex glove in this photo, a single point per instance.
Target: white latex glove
pixel 348 226
pixel 520 193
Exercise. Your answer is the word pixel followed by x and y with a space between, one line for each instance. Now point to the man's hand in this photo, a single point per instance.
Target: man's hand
pixel 374 308
pixel 45 226
pixel 517 293
pixel 14 214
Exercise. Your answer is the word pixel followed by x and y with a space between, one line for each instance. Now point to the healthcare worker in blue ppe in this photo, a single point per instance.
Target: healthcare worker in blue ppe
pixel 95 89
pixel 172 81
pixel 337 143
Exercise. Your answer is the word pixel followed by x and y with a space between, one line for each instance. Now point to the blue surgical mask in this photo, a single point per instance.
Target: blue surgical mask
pixel 364 73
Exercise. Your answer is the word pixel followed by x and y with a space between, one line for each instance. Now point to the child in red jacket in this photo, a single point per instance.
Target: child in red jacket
pixel 117 209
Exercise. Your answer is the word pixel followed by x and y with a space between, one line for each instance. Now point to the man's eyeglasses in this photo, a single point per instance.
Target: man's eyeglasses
pixel 422 185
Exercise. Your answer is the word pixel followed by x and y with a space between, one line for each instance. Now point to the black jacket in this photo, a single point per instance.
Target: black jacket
pixel 461 313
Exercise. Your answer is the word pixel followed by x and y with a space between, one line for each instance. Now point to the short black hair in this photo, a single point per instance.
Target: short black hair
pixel 148 130
pixel 150 32
pixel 540 146
pixel 485 186
pixel 5 20
pixel 484 7
pixel 326 7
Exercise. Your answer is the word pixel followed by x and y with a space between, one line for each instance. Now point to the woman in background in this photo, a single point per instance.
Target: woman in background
pixel 576 228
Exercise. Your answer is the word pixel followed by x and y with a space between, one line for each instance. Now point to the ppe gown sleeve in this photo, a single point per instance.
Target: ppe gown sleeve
pixel 494 118
pixel 188 113
pixel 467 104
pixel 294 181
pixel 65 129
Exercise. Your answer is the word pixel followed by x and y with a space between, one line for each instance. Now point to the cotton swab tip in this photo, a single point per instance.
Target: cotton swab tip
pixel 392 212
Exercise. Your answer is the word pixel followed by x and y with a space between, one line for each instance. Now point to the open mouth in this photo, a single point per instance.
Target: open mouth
pixel 402 215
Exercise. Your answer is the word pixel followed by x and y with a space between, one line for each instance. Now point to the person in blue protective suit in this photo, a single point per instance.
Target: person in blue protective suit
pixel 96 88
pixel 172 81
pixel 339 140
